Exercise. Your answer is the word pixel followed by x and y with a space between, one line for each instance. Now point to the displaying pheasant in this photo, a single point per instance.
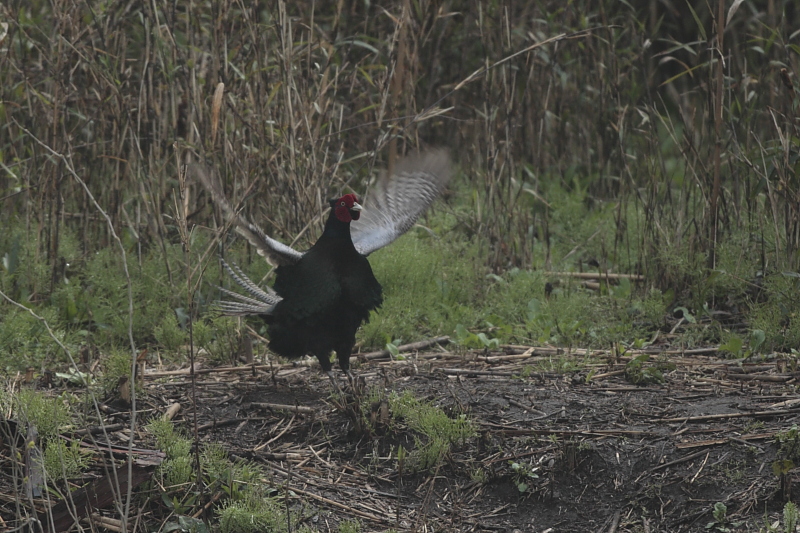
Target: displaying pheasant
pixel 321 296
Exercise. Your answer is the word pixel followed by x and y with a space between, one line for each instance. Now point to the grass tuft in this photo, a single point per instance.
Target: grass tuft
pixel 434 432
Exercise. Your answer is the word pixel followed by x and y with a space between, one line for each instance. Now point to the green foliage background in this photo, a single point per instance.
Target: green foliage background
pixel 594 150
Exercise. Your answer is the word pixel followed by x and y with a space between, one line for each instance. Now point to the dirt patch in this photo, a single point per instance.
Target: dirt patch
pixel 584 451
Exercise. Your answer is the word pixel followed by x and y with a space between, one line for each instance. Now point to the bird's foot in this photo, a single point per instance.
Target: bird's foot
pixel 335 382
pixel 357 384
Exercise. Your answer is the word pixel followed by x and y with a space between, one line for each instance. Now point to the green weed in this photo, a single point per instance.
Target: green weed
pixel 721 522
pixel 65 461
pixel 177 468
pixel 523 475
pixel 49 415
pixel 254 513
pixel 789 443
pixel 638 373
pixel 25 341
pixel 350 526
pixel 559 364
pixel 116 365
pixel 169 334
pixel 219 336
pixel 435 432
pixel 429 288
pixel 790 517
pixel 778 318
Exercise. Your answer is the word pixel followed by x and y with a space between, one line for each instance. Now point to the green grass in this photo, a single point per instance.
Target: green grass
pixel 429 288
pixel 247 506
pixel 434 284
pixel 778 315
pixel 256 513
pixel 177 469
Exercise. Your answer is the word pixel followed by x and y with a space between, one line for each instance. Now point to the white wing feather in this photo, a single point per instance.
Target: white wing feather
pixel 275 252
pixel 396 202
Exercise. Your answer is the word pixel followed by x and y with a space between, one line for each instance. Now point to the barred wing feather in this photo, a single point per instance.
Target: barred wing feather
pixel 275 252
pixel 396 203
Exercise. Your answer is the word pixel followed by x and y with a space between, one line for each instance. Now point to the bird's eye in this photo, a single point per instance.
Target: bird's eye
pixel 342 204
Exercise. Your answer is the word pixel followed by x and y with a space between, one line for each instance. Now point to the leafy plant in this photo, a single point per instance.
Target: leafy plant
pixel 177 468
pixel 789 443
pixel 255 513
pixel 48 415
pixel 116 365
pixel 637 373
pixel 790 516
pixel 169 333
pixel 185 524
pixel 468 339
pixel 720 522
pixel 349 526
pixel 734 346
pixel 220 336
pixel 523 475
pixel 392 347
pixel 25 340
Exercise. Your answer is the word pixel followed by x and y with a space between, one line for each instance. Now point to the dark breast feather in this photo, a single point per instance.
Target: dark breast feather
pixel 328 293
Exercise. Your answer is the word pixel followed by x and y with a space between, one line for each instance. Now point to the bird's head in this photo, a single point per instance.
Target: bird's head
pixel 346 208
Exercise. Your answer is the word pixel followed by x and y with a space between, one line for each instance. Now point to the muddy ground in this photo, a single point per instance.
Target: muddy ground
pixel 607 454
pixel 593 452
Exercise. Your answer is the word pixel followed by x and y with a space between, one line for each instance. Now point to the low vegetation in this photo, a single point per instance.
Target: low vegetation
pixel 593 137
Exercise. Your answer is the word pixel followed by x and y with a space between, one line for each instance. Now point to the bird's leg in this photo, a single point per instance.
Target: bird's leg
pixel 343 355
pixel 357 384
pixel 325 363
pixel 335 382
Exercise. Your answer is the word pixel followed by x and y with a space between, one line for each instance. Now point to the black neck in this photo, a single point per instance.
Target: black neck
pixel 336 228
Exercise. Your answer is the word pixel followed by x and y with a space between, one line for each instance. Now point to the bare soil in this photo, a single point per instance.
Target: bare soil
pixel 594 452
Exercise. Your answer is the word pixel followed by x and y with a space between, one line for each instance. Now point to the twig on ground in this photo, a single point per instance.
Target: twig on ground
pixel 596 275
pixel 171 411
pixel 475 373
pixel 689 457
pixel 420 345
pixel 723 416
pixel 362 514
pixel 300 409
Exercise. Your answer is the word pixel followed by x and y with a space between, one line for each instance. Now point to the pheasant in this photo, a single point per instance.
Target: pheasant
pixel 322 296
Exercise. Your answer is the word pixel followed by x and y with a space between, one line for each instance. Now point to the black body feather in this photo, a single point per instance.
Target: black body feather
pixel 326 295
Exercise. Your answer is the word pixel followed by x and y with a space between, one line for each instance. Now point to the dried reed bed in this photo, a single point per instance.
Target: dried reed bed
pixel 293 102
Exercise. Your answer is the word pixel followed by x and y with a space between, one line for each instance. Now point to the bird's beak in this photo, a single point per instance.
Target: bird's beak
pixel 356 207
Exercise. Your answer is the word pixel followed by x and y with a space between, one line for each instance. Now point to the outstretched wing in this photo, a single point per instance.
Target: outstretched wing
pixel 275 252
pixel 396 202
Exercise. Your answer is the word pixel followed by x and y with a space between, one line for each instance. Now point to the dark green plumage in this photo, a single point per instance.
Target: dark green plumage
pixel 326 295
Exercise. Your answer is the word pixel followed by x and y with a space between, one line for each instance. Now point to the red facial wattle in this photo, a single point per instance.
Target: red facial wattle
pixel 347 208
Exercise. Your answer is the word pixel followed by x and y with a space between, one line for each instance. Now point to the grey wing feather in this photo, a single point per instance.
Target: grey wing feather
pixel 396 203
pixel 262 302
pixel 276 253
